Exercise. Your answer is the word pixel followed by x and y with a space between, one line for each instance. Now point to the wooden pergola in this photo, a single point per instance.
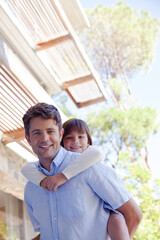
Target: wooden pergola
pixel 48 28
pixel 40 38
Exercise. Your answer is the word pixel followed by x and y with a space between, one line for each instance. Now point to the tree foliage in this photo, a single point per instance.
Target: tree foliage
pixel 120 40
pixel 147 193
pixel 119 129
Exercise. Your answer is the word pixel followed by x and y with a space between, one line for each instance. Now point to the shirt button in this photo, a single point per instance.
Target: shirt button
pixel 55 218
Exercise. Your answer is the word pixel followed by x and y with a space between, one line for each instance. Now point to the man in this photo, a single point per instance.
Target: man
pixel 77 209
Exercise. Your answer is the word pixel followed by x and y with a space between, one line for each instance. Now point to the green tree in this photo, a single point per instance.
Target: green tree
pixel 121 130
pixel 120 42
pixel 147 193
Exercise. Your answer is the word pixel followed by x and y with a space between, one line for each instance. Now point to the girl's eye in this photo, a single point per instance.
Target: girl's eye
pixel 81 136
pixel 68 137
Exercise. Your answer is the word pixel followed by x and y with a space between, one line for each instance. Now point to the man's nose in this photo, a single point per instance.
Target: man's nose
pixel 44 136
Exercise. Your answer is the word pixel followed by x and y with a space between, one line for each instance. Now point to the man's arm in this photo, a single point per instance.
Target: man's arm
pixel 133 215
pixel 110 188
pixel 37 237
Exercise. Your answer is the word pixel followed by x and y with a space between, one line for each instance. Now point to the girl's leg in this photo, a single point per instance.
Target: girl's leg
pixel 117 228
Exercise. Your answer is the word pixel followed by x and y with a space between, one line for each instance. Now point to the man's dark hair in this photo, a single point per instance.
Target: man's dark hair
pixel 78 125
pixel 42 110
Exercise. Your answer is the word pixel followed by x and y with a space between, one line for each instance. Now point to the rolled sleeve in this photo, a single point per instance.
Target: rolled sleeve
pixel 109 187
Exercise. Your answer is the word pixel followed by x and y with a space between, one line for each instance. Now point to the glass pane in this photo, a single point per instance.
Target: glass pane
pixel 11 217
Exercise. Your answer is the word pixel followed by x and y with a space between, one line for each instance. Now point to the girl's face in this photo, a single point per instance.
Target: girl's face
pixel 76 141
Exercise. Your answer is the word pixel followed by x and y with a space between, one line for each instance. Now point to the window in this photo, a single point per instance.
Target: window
pixel 11 217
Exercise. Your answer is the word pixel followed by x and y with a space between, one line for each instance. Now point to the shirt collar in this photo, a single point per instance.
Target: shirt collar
pixel 59 157
pixel 56 163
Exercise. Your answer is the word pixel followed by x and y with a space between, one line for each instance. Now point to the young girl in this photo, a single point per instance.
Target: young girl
pixel 77 138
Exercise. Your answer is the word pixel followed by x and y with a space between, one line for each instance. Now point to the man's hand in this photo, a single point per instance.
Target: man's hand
pixel 52 182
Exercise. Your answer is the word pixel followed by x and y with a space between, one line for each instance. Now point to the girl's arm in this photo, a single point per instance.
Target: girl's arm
pixel 31 172
pixel 88 158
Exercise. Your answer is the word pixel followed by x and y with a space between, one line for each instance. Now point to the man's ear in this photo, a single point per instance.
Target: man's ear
pixel 28 140
pixel 61 134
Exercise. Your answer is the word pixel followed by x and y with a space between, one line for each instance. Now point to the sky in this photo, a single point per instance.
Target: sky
pixel 145 87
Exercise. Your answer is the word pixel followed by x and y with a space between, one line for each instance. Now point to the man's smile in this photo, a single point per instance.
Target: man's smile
pixel 45 146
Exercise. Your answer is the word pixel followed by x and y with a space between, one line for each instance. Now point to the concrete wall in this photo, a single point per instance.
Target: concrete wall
pixel 12 181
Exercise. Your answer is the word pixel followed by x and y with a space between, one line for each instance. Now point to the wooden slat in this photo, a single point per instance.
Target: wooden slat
pixel 27 147
pixel 85 103
pixel 90 102
pixel 15 82
pixel 13 136
pixel 15 116
pixel 52 43
pixel 76 81
pixel 71 96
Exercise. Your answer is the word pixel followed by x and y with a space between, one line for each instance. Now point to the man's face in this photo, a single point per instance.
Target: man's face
pixel 44 138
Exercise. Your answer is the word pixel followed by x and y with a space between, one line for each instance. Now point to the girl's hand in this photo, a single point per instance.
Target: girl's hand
pixel 51 183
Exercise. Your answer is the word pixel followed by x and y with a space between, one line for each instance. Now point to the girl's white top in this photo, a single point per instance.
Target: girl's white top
pixel 85 160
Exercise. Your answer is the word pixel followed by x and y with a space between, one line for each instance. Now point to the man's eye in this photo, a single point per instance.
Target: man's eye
pixel 35 133
pixel 51 131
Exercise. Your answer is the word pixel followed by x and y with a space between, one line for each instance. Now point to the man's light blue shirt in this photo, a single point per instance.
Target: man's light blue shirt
pixel 77 210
